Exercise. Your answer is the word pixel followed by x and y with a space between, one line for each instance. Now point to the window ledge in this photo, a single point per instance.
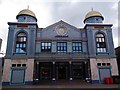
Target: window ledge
pixel 19 53
pixel 102 53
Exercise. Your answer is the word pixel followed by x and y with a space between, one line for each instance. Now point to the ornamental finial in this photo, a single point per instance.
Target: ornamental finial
pixel 92 9
pixel 28 7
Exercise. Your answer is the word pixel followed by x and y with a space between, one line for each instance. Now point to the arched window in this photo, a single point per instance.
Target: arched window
pixel 101 44
pixel 21 43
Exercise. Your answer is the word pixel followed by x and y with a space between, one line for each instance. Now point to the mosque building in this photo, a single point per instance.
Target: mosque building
pixel 60 51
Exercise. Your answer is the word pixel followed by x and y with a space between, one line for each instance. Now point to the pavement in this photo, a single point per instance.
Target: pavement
pixel 63 85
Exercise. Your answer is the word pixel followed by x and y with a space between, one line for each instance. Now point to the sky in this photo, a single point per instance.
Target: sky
pixel 49 12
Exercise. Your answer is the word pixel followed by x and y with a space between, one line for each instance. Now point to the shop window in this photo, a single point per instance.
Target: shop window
pixel 61 47
pixel 46 47
pixel 21 43
pixel 77 46
pixel 101 44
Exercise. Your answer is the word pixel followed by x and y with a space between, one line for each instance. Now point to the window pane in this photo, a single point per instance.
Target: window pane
pixel 97 39
pixel 100 35
pixel 42 44
pixel 21 43
pixel 73 48
pixel 49 44
pixel 103 40
pixel 17 50
pixel 21 34
pixel 46 47
pixel 58 44
pixel 98 45
pixel 24 45
pixel 42 47
pixel 108 64
pixel 24 38
pixel 61 46
pixel 17 45
pixel 45 44
pixel 64 44
pixel 49 47
pixel 73 44
pixel 58 48
pixel 77 46
pixel 100 41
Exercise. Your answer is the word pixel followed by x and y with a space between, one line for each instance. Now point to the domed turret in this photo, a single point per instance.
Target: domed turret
pixel 93 17
pixel 23 14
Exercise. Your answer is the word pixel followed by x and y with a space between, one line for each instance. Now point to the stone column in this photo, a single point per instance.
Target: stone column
pixel 86 71
pixel 37 71
pixel 70 68
pixel 53 74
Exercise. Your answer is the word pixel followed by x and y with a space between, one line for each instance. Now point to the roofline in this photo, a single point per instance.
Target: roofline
pixel 25 23
pixel 98 24
pixel 9 23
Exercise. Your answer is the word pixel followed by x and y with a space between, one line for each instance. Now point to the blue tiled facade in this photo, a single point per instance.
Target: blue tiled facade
pixel 59 51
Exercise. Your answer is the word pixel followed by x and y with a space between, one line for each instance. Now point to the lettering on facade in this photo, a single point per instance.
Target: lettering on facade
pixel 60 36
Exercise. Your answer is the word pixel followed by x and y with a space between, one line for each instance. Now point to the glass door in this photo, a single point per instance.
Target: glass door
pixel 45 71
pixel 62 70
pixel 77 69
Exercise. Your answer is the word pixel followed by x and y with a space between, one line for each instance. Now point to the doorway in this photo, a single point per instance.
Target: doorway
pixel 103 73
pixel 62 70
pixel 45 71
pixel 17 76
pixel 77 70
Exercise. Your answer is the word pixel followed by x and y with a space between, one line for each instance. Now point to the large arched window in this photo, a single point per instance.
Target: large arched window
pixel 101 44
pixel 21 43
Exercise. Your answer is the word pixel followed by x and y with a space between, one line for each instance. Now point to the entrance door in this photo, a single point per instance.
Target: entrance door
pixel 45 71
pixel 104 72
pixel 62 70
pixel 77 69
pixel 18 76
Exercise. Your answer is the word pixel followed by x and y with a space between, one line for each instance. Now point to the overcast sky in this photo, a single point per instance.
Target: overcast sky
pixel 51 11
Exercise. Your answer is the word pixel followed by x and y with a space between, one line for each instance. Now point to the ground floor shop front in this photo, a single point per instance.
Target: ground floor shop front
pixel 46 71
pixel 28 71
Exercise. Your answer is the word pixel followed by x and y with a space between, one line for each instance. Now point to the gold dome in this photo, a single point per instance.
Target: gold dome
pixel 26 12
pixel 93 14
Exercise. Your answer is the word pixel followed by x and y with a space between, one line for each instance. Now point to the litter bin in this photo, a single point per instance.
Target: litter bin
pixel 111 80
pixel 107 80
pixel 116 79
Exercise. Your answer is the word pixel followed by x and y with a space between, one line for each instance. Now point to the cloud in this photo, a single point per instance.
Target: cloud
pixel 51 11
pixel 75 13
